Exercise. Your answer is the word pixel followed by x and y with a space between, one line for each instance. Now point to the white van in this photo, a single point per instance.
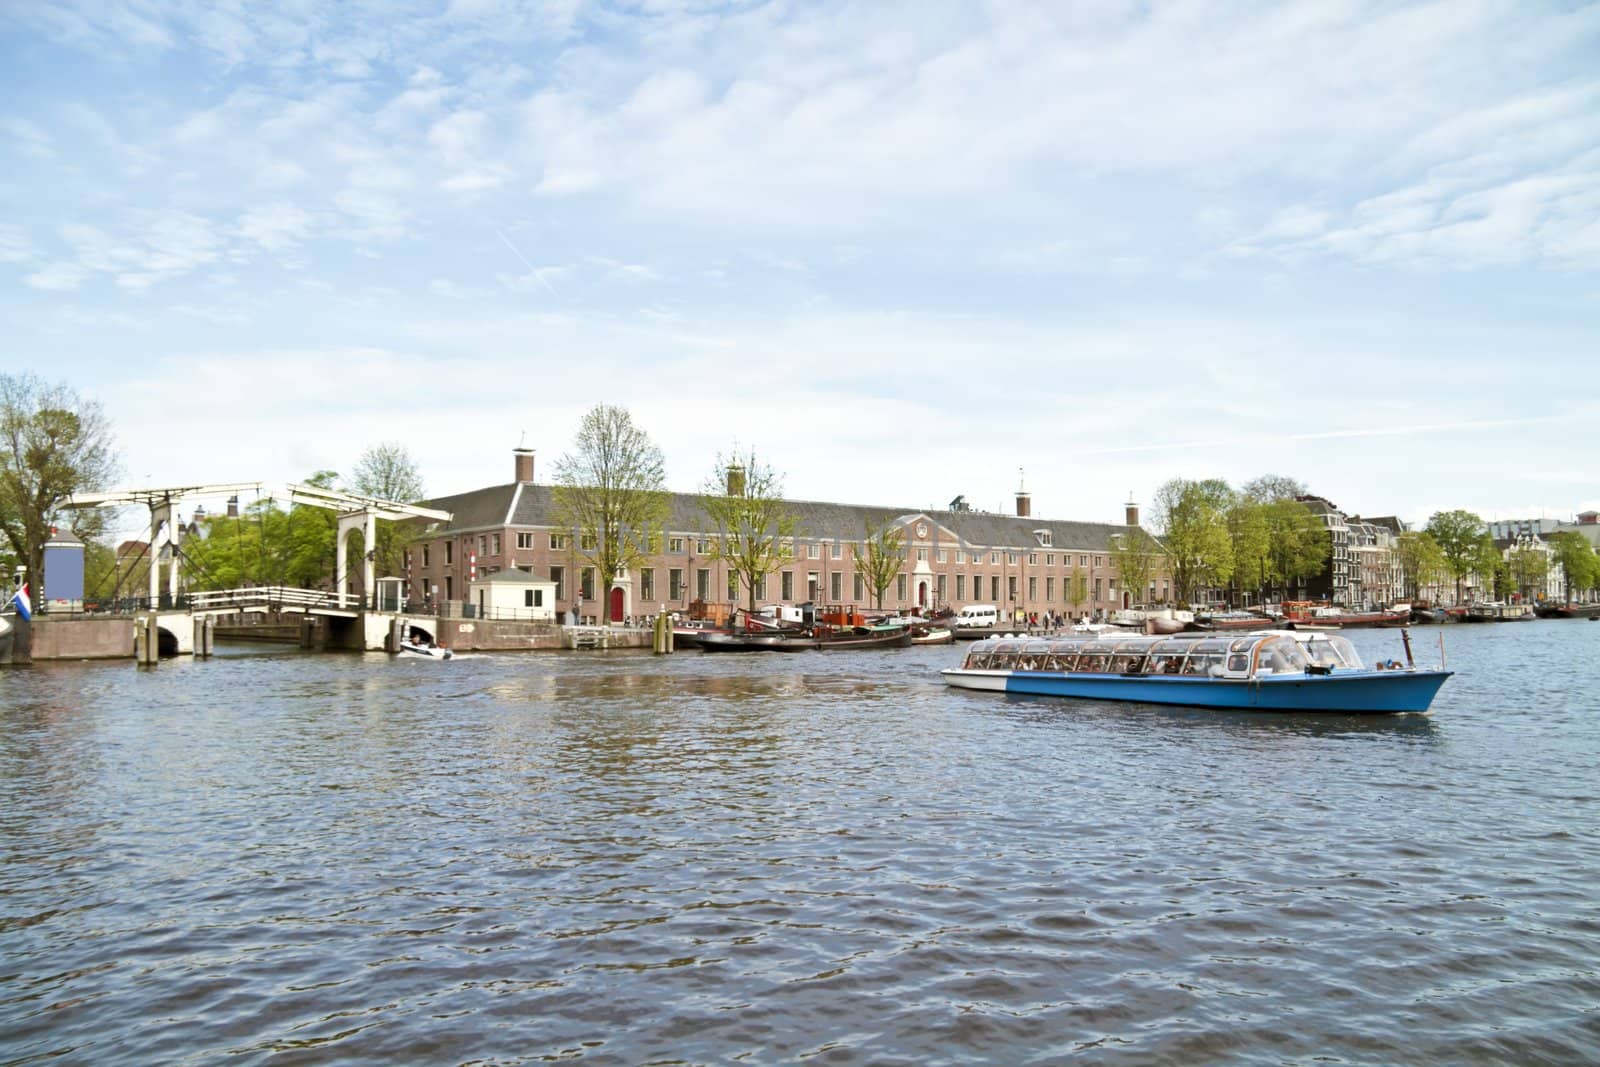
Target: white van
pixel 978 616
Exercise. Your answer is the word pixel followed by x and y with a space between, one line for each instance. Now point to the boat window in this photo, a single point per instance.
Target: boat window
pixel 1332 651
pixel 1281 655
pixel 1211 646
pixel 1238 662
pixel 1244 644
pixel 1094 662
pixel 1129 663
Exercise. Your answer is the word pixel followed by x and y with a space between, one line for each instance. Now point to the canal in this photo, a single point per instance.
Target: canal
pixel 278 857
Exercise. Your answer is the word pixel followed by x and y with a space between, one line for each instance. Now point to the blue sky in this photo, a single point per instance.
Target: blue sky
pixel 903 250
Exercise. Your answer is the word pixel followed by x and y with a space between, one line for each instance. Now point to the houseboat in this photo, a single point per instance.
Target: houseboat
pixel 1268 671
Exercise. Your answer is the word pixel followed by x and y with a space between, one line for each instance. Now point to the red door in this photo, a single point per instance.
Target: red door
pixel 616 604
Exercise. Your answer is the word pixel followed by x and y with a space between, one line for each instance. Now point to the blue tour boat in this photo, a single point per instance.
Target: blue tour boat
pixel 1264 671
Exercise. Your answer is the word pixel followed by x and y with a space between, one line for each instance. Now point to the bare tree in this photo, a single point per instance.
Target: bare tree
pixel 611 493
pixel 388 471
pixel 743 498
pixel 53 443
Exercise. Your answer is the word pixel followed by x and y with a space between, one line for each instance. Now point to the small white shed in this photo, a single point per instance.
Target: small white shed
pixel 514 594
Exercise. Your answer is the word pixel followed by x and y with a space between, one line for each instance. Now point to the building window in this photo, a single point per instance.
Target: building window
pixel 1011 587
pixel 1083 561
pixel 494 544
pixel 961 587
pixel 922 555
pixel 1049 590
pixel 761 587
pixel 994 559
pixel 994 588
pixel 813 586
pixel 675 545
pixel 939 556
pixel 558 542
pixel 1033 589
pixel 787 583
pixel 900 587
pixel 836 586
pixel 558 575
pixel 524 540
pixel 813 551
pixel 675 583
pixel 449 587
pixel 527 598
pixel 1099 561
pixel 836 550
pixel 733 585
pixel 586 580
pixel 702 584
pixel 1050 559
pixel 961 555
pixel 449 553
pixel 647 583
pixel 1097 585
pixel 1011 558
pixel 1033 559
pixel 940 588
pixel 425 555
pixel 861 589
pixel 587 543
pixel 700 546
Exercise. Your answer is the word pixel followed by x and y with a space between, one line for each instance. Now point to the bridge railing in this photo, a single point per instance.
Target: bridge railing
pixel 273 596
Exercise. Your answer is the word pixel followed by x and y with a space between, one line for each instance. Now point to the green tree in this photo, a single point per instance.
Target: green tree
pixel 1489 564
pixel 755 527
pixel 389 472
pixel 53 443
pixel 1137 557
pixel 1251 536
pixel 611 493
pixel 879 557
pixel 1299 543
pixel 1192 519
pixel 1077 587
pixel 1459 535
pixel 1528 568
pixel 1421 560
pixel 1580 567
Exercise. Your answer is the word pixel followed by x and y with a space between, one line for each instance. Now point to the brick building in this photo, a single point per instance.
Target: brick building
pixel 954 556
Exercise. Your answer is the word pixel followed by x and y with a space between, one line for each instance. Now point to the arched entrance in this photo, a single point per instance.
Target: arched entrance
pixel 922 594
pixel 618 603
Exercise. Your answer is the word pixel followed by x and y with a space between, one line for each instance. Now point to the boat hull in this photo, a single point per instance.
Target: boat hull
pixel 1363 692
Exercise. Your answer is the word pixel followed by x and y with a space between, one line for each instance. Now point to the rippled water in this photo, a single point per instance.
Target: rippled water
pixel 293 858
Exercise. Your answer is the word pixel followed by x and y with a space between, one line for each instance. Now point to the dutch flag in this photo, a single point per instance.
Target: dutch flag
pixel 24 605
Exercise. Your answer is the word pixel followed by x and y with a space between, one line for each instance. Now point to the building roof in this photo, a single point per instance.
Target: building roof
pixel 528 505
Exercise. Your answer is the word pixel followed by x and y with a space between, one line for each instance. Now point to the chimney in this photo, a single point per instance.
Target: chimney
pixel 233 506
pixel 1130 512
pixel 735 479
pixel 524 457
pixel 1024 503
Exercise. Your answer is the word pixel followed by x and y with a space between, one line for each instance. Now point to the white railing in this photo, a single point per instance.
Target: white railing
pixel 273 596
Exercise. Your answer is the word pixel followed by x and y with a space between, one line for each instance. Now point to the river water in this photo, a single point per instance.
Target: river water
pixel 279 857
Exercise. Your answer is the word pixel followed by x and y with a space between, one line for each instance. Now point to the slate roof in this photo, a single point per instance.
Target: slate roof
pixel 499 506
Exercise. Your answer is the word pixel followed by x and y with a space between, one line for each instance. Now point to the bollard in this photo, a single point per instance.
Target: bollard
pixel 308 637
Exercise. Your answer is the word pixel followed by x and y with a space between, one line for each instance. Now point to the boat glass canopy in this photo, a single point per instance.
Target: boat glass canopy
pixel 1248 655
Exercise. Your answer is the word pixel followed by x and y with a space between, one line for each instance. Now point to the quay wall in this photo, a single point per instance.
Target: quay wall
pixel 95 638
pixel 503 635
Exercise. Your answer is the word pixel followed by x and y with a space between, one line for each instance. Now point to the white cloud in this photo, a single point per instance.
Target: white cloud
pixel 14 245
pixel 275 227
pixel 57 277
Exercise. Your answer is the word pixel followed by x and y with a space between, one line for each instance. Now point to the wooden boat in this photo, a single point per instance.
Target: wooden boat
pixel 863 637
pixel 1234 620
pixel 1272 671
pixel 1567 611
pixel 753 641
pixel 1494 611
pixel 1307 612
pixel 931 635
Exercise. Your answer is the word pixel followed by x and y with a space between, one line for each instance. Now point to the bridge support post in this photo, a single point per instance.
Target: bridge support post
pixel 397 633
pixel 205 632
pixel 308 632
pixel 146 641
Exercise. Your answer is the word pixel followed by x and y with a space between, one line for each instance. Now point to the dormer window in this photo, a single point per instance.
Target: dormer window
pixel 1043 537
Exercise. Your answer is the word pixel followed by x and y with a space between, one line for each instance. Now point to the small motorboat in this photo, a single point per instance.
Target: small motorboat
pixel 429 650
pixel 925 634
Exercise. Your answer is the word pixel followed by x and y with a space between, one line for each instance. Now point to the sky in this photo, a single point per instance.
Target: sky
pixel 902 251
